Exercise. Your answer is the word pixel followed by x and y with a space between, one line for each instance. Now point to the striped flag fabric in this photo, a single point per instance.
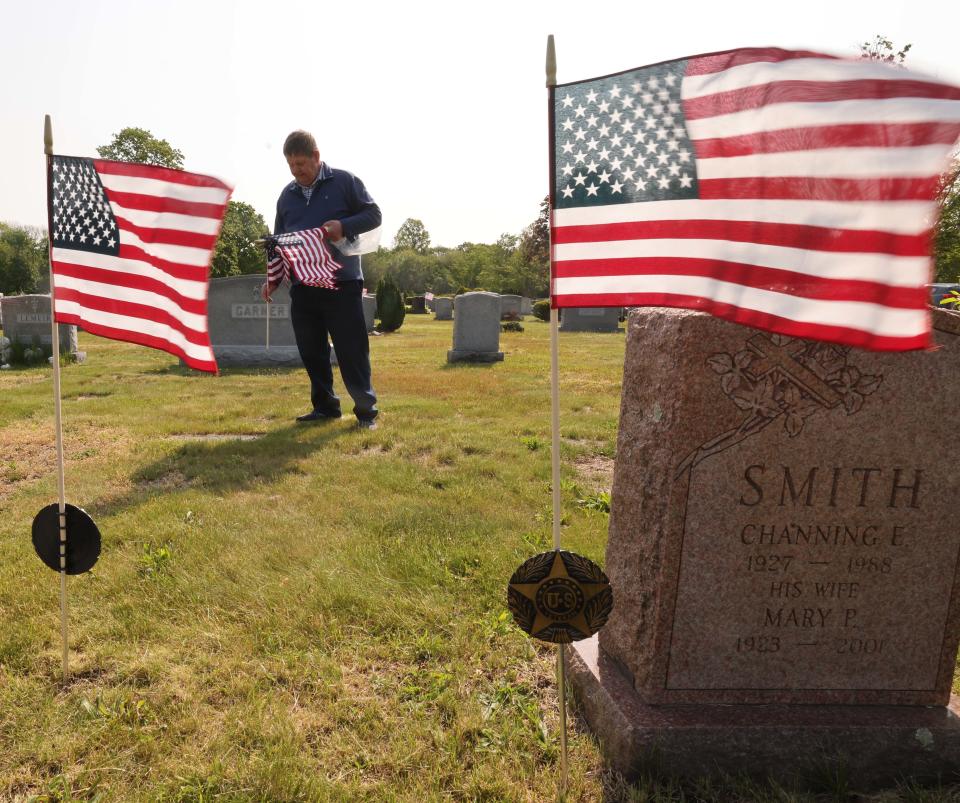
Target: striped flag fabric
pixel 304 254
pixel 787 190
pixel 131 246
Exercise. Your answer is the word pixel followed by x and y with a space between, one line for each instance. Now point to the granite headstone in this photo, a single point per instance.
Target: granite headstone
pixel 443 308
pixel 26 320
pixel 476 328
pixel 238 323
pixel 784 565
pixel 590 319
pixel 510 308
pixel 370 311
pixel 418 305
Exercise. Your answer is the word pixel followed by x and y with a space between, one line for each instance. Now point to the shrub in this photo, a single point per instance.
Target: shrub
pixel 389 305
pixel 541 310
pixel 511 326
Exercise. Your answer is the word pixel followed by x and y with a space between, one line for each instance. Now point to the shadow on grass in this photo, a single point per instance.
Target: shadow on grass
pixel 226 466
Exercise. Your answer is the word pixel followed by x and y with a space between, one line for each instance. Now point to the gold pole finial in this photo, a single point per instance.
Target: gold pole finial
pixel 551 62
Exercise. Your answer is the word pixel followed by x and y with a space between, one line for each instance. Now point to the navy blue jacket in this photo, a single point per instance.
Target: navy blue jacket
pixel 337 195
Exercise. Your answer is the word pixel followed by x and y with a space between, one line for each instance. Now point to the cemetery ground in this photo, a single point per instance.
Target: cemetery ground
pixel 308 612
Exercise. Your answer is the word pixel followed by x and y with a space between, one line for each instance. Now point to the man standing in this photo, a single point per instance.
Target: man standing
pixel 336 201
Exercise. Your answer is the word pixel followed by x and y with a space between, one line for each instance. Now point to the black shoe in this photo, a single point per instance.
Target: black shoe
pixel 317 415
pixel 366 423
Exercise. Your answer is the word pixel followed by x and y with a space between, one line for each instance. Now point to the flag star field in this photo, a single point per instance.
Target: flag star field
pixel 623 139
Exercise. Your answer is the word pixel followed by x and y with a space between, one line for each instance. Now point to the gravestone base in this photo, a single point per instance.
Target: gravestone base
pixel 260 357
pixel 871 745
pixel 455 355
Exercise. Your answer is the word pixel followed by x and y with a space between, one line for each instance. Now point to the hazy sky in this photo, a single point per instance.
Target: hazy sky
pixel 440 108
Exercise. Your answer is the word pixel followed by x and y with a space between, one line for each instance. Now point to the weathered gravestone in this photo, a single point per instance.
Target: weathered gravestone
pixel 510 309
pixel 784 554
pixel 476 328
pixel 443 308
pixel 370 311
pixel 418 305
pixel 590 319
pixel 238 323
pixel 526 305
pixel 26 320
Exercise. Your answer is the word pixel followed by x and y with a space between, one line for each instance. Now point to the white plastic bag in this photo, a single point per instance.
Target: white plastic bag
pixel 363 244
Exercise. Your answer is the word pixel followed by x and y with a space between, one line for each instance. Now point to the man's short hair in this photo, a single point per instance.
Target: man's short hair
pixel 299 143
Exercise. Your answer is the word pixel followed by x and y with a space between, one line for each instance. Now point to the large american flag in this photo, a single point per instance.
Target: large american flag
pixel 131 245
pixel 305 254
pixel 786 190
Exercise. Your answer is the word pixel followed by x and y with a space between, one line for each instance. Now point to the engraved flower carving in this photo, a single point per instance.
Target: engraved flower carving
pixel 854 386
pixel 731 369
pixel 759 399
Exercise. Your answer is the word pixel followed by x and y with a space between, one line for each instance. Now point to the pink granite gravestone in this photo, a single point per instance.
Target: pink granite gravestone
pixel 783 550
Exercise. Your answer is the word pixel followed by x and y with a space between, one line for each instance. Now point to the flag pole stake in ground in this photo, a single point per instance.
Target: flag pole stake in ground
pixel 560 597
pixel 551 68
pixel 58 427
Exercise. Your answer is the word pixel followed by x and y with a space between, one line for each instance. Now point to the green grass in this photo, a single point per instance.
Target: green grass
pixel 305 612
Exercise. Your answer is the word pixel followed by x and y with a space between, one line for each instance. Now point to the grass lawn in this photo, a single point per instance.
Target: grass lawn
pixel 304 612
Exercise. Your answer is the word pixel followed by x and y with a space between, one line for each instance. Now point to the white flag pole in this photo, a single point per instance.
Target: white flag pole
pixel 268 316
pixel 58 424
pixel 555 419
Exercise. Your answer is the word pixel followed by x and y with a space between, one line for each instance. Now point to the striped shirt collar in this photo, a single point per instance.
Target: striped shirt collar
pixel 324 173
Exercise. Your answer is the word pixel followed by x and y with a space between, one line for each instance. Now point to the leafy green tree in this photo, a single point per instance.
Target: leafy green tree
pixel 946 238
pixel 139 145
pixel 390 308
pixel 234 254
pixel 534 253
pixel 413 235
pixel 23 259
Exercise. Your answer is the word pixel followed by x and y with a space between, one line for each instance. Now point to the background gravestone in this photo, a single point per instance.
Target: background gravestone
pixel 238 323
pixel 476 328
pixel 418 305
pixel 443 308
pixel 370 311
pixel 526 305
pixel 778 536
pixel 590 319
pixel 27 321
pixel 510 308
pixel 431 303
pixel 1 310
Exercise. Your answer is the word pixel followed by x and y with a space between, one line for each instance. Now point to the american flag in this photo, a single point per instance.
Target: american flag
pixel 786 190
pixel 305 254
pixel 130 247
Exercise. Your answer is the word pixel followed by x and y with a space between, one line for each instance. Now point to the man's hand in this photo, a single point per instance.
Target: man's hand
pixel 334 230
pixel 266 290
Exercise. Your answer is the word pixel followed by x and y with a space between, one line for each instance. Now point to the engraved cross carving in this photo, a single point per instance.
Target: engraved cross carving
pixel 774 357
